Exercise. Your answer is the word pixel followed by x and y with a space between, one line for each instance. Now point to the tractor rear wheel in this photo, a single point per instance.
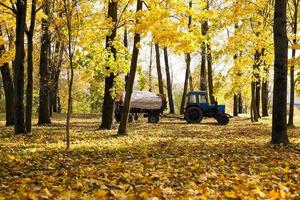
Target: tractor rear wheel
pixel 193 115
pixel 223 119
pixel 153 118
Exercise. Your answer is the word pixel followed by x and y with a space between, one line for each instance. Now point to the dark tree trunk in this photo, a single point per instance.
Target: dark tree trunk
pixel 255 93
pixel 240 103
pixel 203 79
pixel 159 73
pixel 19 68
pixel 109 103
pixel 1 87
pixel 9 94
pixel 44 114
pixel 29 89
pixel 191 83
pixel 186 80
pixel 279 118
pixel 257 96
pixel 292 92
pixel 150 69
pixel 254 114
pixel 8 89
pixel 56 99
pixel 169 84
pixel 210 74
pixel 292 69
pixel 126 45
pixel 54 74
pixel 189 54
pixel 235 105
pixel 135 53
pixel 264 98
pixel 58 105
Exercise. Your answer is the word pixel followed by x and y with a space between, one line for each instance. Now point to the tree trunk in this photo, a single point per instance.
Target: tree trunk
pixel 210 74
pixel 292 92
pixel 169 84
pixel 29 89
pixel 54 75
pixel 203 81
pixel 254 114
pixel 159 73
pixel 58 105
pixel 292 69
pixel 188 62
pixel 150 69
pixel 279 118
pixel 186 80
pixel 235 105
pixel 1 86
pixel 135 53
pixel 264 98
pixel 8 87
pixel 56 99
pixel 191 83
pixel 9 94
pixel 257 96
pixel 109 103
pixel 19 68
pixel 240 99
pixel 126 45
pixel 44 114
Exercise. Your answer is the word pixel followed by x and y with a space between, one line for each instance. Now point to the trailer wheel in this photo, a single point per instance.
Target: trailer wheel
pixel 136 117
pixel 223 119
pixel 153 118
pixel 118 117
pixel 130 118
pixel 193 115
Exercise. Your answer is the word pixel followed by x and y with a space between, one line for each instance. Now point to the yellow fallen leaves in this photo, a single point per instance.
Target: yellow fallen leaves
pixel 169 160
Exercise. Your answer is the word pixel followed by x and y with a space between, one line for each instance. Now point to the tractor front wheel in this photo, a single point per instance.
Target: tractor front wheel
pixel 193 115
pixel 223 119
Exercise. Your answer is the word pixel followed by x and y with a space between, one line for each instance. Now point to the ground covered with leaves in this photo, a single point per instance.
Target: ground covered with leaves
pixel 169 160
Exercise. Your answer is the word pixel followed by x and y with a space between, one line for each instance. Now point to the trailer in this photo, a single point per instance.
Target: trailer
pixel 143 103
pixel 151 105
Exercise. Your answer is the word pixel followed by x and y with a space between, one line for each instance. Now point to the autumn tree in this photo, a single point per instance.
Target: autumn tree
pixel 70 11
pixel 158 67
pixel 279 118
pixel 29 88
pixel 44 114
pixel 293 8
pixel 8 86
pixel 169 82
pixel 203 69
pixel 108 103
pixel 19 9
pixel 133 67
pixel 188 76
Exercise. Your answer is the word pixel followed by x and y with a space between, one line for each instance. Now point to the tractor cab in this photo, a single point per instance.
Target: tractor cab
pixel 197 97
pixel 198 106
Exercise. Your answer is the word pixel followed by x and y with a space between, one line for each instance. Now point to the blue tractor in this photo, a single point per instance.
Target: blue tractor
pixel 197 107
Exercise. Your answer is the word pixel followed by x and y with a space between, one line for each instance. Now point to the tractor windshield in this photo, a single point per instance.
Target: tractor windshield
pixel 203 98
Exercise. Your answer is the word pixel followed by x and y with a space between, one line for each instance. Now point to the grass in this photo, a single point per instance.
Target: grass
pixel 168 160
